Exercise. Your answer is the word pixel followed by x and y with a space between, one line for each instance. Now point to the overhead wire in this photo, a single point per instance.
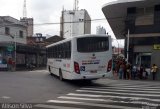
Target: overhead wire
pixel 57 23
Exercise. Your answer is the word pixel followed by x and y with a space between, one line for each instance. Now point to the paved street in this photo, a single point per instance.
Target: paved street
pixel 48 92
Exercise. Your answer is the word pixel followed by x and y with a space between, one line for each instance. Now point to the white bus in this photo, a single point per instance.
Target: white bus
pixel 82 57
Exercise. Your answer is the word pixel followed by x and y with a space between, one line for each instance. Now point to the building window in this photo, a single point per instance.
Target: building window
pixel 145 16
pixel 157 8
pixel 145 11
pixel 81 20
pixel 7 31
pixel 131 10
pixel 21 34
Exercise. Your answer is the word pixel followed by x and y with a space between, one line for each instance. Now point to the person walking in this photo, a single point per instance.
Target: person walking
pixel 9 64
pixel 141 72
pixel 154 70
pixel 114 69
pixel 121 71
pixel 134 72
pixel 128 71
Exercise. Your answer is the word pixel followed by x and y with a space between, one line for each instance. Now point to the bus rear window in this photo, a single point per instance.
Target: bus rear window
pixel 92 44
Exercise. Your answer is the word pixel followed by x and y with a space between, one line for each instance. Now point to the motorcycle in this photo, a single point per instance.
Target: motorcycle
pixel 30 66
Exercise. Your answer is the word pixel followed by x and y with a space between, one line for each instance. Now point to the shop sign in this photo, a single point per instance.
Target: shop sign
pixel 3 65
pixel 156 47
pixel 10 48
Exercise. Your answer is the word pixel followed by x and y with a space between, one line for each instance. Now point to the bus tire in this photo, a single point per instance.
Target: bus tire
pixel 60 75
pixel 50 71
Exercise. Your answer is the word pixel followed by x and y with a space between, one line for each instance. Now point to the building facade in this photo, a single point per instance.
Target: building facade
pixel 14 45
pixel 75 22
pixel 29 23
pixel 138 22
pixel 12 33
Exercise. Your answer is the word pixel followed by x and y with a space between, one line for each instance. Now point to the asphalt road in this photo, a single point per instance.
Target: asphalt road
pixel 34 86
pixel 48 92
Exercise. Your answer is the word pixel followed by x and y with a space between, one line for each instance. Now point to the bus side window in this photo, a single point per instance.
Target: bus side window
pixel 69 50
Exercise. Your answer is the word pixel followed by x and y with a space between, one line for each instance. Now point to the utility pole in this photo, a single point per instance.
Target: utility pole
pixel 15 55
pixel 128 46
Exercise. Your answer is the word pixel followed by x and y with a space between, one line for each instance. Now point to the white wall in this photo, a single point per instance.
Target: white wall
pixel 14 31
pixel 76 25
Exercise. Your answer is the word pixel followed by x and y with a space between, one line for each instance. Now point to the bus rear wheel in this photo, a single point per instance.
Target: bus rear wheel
pixel 60 75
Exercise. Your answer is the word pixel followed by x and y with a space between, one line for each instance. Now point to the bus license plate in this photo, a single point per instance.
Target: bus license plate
pixel 93 71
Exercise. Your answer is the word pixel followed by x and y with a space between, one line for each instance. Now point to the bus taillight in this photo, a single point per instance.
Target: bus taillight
pixel 76 68
pixel 109 68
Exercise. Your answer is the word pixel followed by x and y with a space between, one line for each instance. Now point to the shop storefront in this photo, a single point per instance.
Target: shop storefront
pixel 6 52
pixel 24 54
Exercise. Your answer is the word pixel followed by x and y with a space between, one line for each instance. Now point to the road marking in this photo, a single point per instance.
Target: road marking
pixel 151 95
pixel 139 86
pixel 78 98
pixel 146 87
pixel 54 107
pixel 113 101
pixel 39 71
pixel 134 83
pixel 110 96
pixel 126 88
pixel 68 102
pixel 5 97
pixel 97 89
pixel 94 104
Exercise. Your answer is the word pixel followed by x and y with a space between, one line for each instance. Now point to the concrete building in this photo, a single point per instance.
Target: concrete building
pixel 12 30
pixel 12 33
pixel 13 44
pixel 140 19
pixel 37 39
pixel 53 39
pixel 100 30
pixel 29 23
pixel 75 22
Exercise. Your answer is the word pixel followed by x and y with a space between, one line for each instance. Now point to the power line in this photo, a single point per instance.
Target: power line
pixel 57 23
pixel 84 21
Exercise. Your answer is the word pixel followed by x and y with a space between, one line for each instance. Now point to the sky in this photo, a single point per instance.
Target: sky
pixel 49 11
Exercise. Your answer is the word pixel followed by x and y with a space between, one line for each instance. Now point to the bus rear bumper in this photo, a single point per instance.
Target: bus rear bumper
pixel 90 76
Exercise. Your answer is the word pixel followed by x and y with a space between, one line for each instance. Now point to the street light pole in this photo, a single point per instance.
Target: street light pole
pixel 15 51
pixel 128 46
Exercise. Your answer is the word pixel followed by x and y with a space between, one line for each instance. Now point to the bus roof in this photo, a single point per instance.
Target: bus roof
pixel 79 36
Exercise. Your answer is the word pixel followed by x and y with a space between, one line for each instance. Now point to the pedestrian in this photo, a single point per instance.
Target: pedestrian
pixel 141 72
pixel 114 69
pixel 9 64
pixel 128 71
pixel 134 72
pixel 121 71
pixel 144 74
pixel 154 70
